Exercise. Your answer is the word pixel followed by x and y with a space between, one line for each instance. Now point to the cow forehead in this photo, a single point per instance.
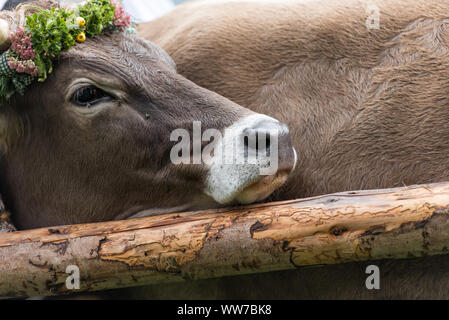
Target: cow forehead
pixel 119 50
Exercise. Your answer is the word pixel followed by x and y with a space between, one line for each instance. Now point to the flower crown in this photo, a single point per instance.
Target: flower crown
pixel 46 33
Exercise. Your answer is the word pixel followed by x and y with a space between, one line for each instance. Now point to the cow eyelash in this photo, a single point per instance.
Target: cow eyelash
pixel 89 96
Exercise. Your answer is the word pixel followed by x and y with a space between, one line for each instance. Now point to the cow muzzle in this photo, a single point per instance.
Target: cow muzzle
pixel 253 159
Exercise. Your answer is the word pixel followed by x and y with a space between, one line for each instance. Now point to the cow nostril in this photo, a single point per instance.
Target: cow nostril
pixel 257 140
pixel 263 145
pixel 246 146
pixel 272 140
pixel 268 144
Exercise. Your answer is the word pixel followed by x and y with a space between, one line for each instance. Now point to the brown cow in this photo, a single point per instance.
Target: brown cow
pixel 367 107
pixel 94 141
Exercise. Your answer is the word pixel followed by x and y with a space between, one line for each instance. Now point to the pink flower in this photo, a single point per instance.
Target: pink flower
pixel 20 68
pixel 23 54
pixel 12 63
pixel 26 66
pixel 21 44
pixel 122 20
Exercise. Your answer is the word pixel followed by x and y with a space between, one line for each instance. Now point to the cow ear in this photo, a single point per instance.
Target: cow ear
pixel 10 20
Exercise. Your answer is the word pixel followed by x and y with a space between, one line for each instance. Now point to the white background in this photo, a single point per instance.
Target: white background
pixel 140 10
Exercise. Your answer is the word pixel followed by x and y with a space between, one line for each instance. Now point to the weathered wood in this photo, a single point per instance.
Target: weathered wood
pixel 352 226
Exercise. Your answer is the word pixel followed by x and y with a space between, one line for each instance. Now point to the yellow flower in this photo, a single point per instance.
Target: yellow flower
pixel 81 22
pixel 81 37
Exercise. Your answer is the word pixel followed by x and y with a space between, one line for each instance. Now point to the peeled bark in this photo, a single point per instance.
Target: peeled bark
pixel 353 226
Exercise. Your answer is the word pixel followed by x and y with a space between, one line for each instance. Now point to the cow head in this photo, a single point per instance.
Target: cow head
pixel 94 142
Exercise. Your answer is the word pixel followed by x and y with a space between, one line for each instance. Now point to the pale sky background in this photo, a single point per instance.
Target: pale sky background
pixel 147 10
pixel 140 10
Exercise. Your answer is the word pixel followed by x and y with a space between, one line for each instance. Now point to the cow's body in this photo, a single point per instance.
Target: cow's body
pixel 366 108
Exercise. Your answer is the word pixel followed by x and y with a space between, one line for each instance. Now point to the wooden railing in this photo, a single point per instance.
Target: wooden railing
pixel 351 226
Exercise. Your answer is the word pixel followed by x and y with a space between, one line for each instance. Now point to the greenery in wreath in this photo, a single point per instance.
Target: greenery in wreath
pixel 46 33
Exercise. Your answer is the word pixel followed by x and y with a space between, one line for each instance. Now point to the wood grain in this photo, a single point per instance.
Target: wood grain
pixel 352 226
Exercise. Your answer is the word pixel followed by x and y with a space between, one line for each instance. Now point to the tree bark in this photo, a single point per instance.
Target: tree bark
pixel 396 223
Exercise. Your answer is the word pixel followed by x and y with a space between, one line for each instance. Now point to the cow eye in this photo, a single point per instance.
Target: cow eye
pixel 89 96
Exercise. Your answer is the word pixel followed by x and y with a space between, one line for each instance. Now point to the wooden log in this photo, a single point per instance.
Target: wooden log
pixel 351 226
